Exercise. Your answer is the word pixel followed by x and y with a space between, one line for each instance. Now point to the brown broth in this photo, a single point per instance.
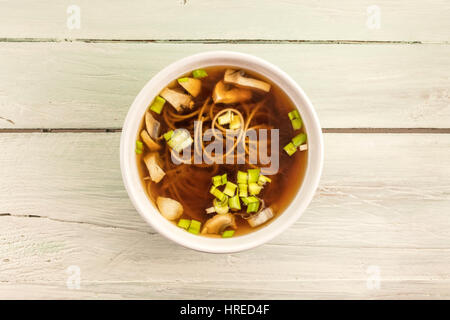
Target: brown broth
pixel 194 193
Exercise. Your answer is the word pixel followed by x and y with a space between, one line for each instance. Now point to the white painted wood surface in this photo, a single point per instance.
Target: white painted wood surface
pixel 403 20
pixel 390 212
pixel 383 201
pixel 91 85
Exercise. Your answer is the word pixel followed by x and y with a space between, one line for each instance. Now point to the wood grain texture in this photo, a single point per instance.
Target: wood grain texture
pixel 390 212
pixel 80 85
pixel 235 19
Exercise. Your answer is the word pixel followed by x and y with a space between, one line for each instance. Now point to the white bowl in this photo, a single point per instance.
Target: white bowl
pixel 129 168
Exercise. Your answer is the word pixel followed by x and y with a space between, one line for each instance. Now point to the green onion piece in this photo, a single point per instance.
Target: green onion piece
pixel 262 180
pixel 299 139
pixel 221 207
pixel 168 135
pixel 227 233
pixel 157 104
pixel 245 200
pixel 183 80
pixel 243 190
pixel 217 193
pixel 230 188
pixel 253 207
pixel 296 124
pixel 294 115
pixel 252 199
pixel 199 73
pixel 184 223
pixel 253 175
pixel 290 148
pixel 139 145
pixel 242 177
pixel 177 141
pixel 224 178
pixel 139 151
pixel 195 227
pixel 217 181
pixel 254 188
pixel 234 203
pixel 222 203
pixel 235 123
pixel 225 119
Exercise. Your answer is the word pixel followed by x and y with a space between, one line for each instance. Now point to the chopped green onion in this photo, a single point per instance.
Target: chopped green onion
pixel 225 119
pixel 235 123
pixel 253 175
pixel 245 200
pixel 294 115
pixel 242 177
pixel 194 227
pixel 139 145
pixel 253 207
pixel 227 233
pixel 243 190
pixel 262 180
pixel 254 188
pixel 224 178
pixel 217 181
pixel 221 207
pixel 299 139
pixel 290 148
pixel 139 151
pixel 296 124
pixel 230 188
pixel 178 140
pixel 217 193
pixel 185 79
pixel 184 223
pixel 168 135
pixel 157 104
pixel 252 199
pixel 222 203
pixel 234 203
pixel 199 73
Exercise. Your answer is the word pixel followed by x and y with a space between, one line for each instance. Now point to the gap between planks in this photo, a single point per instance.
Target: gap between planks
pixel 324 130
pixel 221 41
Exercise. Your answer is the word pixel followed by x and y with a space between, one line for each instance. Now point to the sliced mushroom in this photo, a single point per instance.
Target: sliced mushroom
pixel 261 217
pixel 169 208
pixel 218 223
pixel 223 94
pixel 152 125
pixel 237 78
pixel 154 169
pixel 177 99
pixel 149 142
pixel 191 85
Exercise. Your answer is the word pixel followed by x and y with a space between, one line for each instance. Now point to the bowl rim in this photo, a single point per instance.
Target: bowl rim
pixel 149 211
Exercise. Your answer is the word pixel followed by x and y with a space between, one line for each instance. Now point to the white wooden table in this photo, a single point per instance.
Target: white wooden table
pixel 379 225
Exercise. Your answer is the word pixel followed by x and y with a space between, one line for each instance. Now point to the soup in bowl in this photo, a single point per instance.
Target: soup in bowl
pixel 221 151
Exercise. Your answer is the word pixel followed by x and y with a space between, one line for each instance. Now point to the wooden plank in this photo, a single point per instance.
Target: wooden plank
pixel 118 263
pixel 80 85
pixel 399 187
pixel 63 203
pixel 235 19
